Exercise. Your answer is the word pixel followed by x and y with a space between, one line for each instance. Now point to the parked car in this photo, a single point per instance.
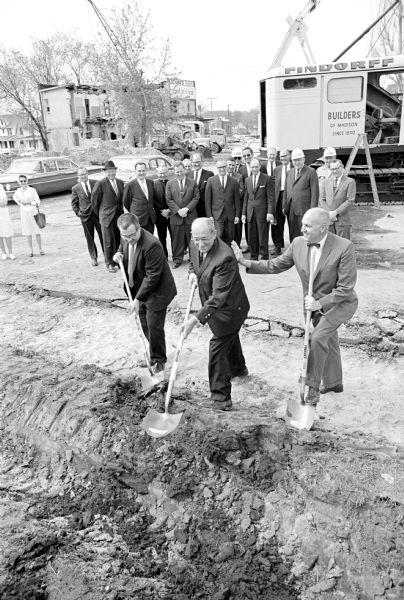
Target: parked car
pixel 48 175
pixel 125 164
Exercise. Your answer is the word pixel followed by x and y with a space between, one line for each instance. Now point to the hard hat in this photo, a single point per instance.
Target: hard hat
pixel 297 153
pixel 329 151
pixel 237 153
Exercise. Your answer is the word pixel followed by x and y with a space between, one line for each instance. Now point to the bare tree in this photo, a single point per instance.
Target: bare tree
pixel 387 36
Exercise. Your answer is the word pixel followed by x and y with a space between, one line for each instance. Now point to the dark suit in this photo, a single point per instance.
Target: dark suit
pixel 301 194
pixel 278 229
pixel 81 205
pixel 203 178
pixel 223 205
pixel 135 202
pixel 340 200
pixel 271 166
pixel 333 287
pixel 160 203
pixel 181 227
pixel 224 308
pixel 238 229
pixel 107 205
pixel 257 204
pixel 154 287
pixel 244 171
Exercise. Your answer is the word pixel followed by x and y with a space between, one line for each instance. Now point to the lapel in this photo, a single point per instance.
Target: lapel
pixel 140 188
pixel 258 183
pixel 301 172
pixel 324 255
pixel 110 185
pixel 137 251
pixel 208 258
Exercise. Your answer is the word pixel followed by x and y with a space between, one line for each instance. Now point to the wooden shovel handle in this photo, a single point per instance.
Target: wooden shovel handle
pixel 307 331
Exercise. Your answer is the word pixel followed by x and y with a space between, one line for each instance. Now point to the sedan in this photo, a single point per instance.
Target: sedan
pixel 125 165
pixel 48 175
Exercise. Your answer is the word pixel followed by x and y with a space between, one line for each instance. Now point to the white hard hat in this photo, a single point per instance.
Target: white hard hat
pixel 237 153
pixel 329 151
pixel 297 153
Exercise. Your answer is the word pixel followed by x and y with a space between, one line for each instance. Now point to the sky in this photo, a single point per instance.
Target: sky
pixel 225 46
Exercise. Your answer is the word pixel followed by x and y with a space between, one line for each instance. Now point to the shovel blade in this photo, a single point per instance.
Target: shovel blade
pixel 150 381
pixel 298 415
pixel 158 425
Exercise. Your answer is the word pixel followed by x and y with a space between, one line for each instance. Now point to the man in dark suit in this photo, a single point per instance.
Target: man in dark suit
pixel 201 177
pixel 302 192
pixel 333 301
pixel 138 197
pixel 81 205
pixel 337 195
pixel 231 170
pixel 150 281
pixel 106 201
pixel 277 228
pixel 182 197
pixel 258 210
pixel 272 162
pixel 224 308
pixel 160 206
pixel 222 201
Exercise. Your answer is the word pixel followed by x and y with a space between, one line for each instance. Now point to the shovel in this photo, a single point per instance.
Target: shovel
pixel 299 414
pixel 160 424
pixel 148 381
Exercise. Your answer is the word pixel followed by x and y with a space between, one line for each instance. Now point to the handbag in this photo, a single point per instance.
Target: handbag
pixel 40 219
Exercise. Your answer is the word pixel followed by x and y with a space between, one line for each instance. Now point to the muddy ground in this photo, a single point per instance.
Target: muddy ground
pixel 230 506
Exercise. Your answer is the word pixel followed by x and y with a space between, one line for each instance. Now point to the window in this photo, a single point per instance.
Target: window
pixel 64 164
pixel 49 166
pixel 46 105
pixel 21 131
pixel 162 162
pixel 300 83
pixel 11 144
pixel 345 89
pixel 9 132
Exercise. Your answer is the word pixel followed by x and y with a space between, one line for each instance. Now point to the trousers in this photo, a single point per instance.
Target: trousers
pixel 258 235
pixel 162 226
pixel 226 359
pixel 111 237
pixel 341 230
pixel 91 226
pixel 324 360
pixel 225 229
pixel 278 229
pixel 153 322
pixel 180 240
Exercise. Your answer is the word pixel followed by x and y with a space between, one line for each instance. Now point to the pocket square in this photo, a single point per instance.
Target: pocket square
pixel 261 186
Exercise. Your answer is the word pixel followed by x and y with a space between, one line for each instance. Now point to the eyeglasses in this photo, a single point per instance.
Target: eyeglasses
pixel 247 155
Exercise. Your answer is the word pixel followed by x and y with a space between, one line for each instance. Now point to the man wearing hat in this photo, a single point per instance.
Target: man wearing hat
pixel 302 193
pixel 323 172
pixel 107 204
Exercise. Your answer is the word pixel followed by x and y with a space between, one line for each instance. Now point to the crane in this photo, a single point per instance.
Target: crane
pixel 297 28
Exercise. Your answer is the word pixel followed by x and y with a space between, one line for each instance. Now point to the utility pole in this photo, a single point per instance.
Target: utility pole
pixel 400 28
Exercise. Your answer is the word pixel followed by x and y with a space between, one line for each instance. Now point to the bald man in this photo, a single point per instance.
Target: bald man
pixel 333 301
pixel 224 308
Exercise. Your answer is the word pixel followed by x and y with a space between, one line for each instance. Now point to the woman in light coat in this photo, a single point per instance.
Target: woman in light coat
pixel 28 200
pixel 6 228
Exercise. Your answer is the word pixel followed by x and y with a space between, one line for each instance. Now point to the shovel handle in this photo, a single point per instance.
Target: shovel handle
pixel 303 374
pixel 176 360
pixel 142 336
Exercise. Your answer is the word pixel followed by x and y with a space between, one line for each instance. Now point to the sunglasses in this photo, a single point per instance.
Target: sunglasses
pixel 247 155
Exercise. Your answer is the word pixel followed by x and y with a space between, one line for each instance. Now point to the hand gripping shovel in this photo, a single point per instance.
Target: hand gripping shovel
pixel 151 380
pixel 160 424
pixel 299 414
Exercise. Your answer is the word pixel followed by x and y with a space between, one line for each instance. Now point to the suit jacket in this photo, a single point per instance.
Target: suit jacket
pixel 203 179
pixel 303 193
pixel 261 201
pixel 177 199
pixel 81 203
pixel 341 201
pixel 223 297
pixel 334 277
pixel 106 204
pixel 244 173
pixel 153 282
pixel 160 202
pixel 268 167
pixel 135 201
pixel 219 200
pixel 240 182
pixel 278 182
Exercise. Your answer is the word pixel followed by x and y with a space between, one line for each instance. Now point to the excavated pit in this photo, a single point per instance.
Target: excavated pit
pixel 91 507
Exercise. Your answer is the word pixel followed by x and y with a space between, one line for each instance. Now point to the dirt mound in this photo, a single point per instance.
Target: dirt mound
pixel 95 508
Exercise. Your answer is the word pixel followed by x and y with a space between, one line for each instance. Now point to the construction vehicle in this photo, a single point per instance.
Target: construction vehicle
pixel 318 105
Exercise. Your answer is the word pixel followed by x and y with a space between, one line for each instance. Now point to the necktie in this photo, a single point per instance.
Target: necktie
pixel 254 182
pixel 131 264
pixel 88 189
pixel 181 185
pixel 272 168
pixel 114 186
pixel 334 185
pixel 297 174
pixel 311 244
pixel 222 182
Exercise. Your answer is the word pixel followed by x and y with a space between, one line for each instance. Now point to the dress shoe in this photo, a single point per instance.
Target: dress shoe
pixel 176 264
pixel 111 269
pixel 3 256
pixel 313 397
pixel 12 256
pixel 42 253
pixel 94 262
pixel 337 389
pixel 243 373
pixel 222 406
pixel 278 251
pixel 157 367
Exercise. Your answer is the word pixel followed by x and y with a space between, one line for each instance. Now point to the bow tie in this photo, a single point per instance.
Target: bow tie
pixel 310 244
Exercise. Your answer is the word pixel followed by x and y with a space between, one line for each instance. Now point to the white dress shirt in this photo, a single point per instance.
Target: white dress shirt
pixel 143 185
pixel 318 251
pixel 285 169
pixel 197 176
pixel 84 185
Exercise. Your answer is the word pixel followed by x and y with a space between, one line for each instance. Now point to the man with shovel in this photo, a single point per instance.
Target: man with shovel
pixel 151 283
pixel 333 301
pixel 224 308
